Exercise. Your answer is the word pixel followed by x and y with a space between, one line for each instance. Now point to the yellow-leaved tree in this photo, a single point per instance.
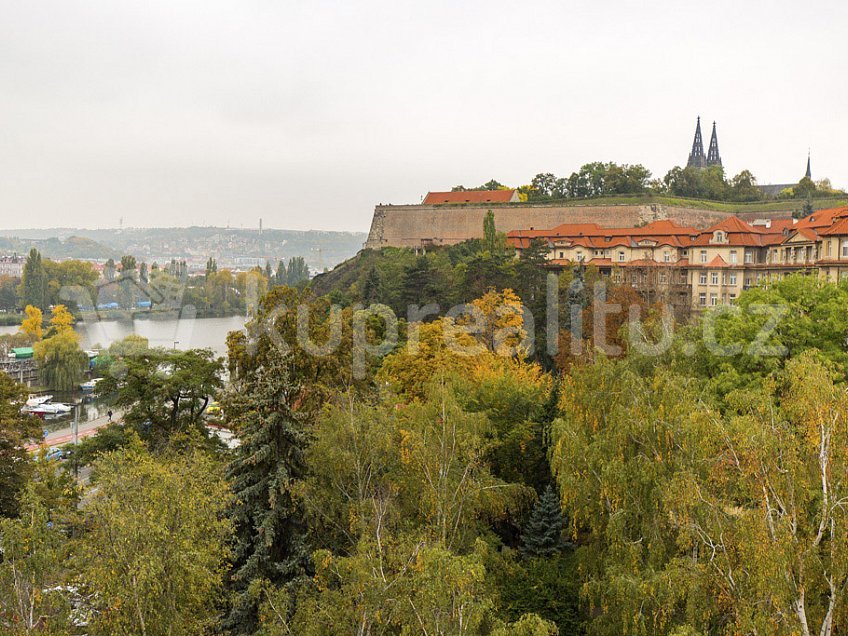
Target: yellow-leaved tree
pixel 31 325
pixel 500 321
pixel 61 319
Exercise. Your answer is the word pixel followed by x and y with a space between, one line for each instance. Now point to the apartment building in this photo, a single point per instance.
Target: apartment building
pixel 690 268
pixel 12 266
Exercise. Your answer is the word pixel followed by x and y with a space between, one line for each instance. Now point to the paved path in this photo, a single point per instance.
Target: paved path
pixel 66 435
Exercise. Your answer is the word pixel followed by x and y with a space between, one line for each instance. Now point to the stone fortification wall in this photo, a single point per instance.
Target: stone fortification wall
pixel 422 225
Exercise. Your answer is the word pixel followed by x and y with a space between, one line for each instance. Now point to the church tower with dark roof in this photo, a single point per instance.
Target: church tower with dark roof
pixel 696 157
pixel 713 157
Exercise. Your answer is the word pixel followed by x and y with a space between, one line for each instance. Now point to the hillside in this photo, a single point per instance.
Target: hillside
pixel 52 247
pixel 230 246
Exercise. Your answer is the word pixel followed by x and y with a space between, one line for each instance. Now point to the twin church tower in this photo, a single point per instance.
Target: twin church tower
pixel 697 158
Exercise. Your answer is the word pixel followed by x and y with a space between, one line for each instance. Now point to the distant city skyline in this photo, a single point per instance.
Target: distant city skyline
pixel 308 114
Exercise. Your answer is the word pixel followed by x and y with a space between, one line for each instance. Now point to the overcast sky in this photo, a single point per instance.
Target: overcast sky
pixel 306 114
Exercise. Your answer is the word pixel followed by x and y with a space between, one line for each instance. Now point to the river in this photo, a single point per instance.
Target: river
pixel 194 333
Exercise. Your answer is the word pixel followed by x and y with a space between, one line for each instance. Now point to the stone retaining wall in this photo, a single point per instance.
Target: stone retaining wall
pixel 422 225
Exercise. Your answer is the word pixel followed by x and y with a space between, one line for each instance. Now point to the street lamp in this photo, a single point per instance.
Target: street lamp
pixel 76 406
pixel 176 342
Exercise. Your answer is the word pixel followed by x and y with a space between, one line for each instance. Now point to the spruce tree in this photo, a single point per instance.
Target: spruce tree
pixel 543 533
pixel 270 545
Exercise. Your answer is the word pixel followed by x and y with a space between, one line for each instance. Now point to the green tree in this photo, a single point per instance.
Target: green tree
pixel 164 392
pixel 489 232
pixel 270 535
pixel 297 271
pixel 128 282
pixel 542 535
pixel 61 360
pixel 16 431
pixel 33 289
pixel 492 185
pixel 372 287
pixel 154 553
pixel 543 185
pixel 110 270
pixel 744 187
pixel 8 294
pixel 71 281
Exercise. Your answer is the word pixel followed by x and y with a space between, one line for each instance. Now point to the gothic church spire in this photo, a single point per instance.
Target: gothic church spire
pixel 696 157
pixel 713 157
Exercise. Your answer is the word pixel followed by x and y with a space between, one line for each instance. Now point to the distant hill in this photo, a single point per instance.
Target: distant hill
pixel 230 247
pixel 54 247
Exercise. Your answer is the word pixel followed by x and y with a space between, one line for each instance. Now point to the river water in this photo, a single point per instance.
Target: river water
pixel 193 333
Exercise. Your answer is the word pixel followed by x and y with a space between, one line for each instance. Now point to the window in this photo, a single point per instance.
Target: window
pixel 663 277
pixel 702 299
pixel 713 300
pixel 562 254
pixel 703 256
pixel 732 299
pixel 827 248
pixel 579 257
pixel 714 278
pixel 666 257
pixel 845 249
pixel 685 253
pixel 733 256
pixel 733 278
pixel 621 256
pixel 749 256
pixel 702 278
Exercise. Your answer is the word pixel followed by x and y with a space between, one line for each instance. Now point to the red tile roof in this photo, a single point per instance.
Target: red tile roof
pixel 732 224
pixel 823 218
pixel 840 228
pixel 469 196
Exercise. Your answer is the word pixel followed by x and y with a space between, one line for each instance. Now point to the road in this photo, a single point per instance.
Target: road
pixel 66 435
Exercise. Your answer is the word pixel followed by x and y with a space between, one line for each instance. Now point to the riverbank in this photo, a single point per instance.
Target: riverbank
pixel 11 320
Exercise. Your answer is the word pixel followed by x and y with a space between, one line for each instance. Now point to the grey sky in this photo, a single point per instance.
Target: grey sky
pixel 307 114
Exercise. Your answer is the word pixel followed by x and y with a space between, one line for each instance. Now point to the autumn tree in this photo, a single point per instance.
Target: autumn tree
pixel 32 324
pixel 499 318
pixel 154 554
pixel 35 548
pixel 61 320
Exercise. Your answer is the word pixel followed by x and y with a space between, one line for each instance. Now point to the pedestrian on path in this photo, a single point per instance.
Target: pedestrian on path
pixel 109 413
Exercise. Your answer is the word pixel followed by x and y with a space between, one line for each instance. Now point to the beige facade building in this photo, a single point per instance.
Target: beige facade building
pixel 12 266
pixel 694 269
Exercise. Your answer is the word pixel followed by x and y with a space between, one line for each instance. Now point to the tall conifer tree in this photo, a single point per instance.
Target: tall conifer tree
pixel 270 545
